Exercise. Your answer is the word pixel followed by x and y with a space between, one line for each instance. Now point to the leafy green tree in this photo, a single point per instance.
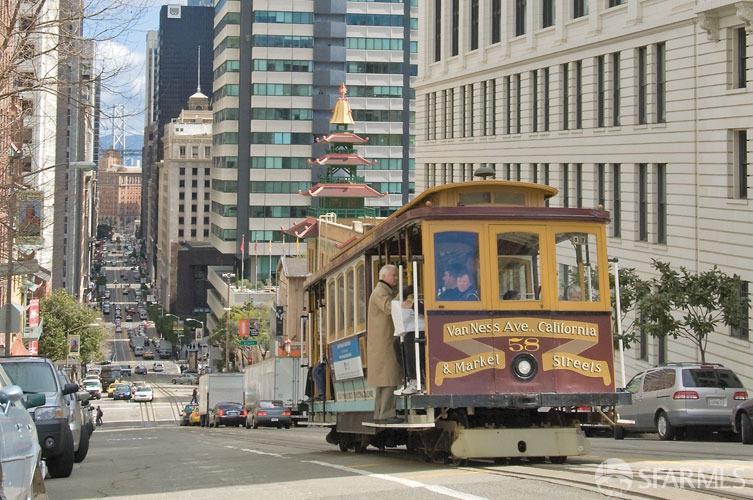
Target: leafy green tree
pixel 62 314
pixel 104 231
pixel 633 290
pixel 692 305
pixel 246 310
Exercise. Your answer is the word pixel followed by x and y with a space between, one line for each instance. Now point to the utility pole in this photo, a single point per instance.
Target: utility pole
pixel 228 277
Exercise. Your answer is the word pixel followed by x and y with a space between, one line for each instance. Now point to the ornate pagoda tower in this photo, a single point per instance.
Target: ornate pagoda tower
pixel 340 190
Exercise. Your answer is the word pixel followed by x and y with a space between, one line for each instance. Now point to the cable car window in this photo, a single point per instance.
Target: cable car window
pixel 508 198
pixel 349 291
pixel 340 305
pixel 331 310
pixel 577 267
pixel 456 266
pixel 518 260
pixel 477 198
pixel 360 296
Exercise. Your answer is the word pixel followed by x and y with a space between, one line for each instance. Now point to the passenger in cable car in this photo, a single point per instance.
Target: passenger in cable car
pixel 449 290
pixel 466 289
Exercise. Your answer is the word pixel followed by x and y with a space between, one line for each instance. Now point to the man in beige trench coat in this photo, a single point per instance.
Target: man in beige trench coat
pixel 384 369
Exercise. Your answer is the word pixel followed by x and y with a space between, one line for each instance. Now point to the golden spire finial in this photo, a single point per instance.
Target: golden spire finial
pixel 342 114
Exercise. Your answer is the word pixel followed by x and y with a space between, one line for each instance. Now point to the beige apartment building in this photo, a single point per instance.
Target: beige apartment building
pixel 184 190
pixel 641 106
pixel 119 190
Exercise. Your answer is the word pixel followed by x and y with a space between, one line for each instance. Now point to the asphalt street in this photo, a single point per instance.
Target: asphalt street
pixel 161 460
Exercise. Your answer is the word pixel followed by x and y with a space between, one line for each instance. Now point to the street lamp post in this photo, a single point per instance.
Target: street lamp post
pixel 227 277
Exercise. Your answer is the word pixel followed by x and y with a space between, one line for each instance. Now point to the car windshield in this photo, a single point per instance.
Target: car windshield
pixel 32 377
pixel 270 404
pixel 123 387
pixel 230 406
pixel 145 388
pixel 90 383
pixel 710 377
pixel 189 408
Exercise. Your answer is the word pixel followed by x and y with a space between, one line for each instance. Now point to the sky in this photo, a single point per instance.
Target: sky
pixel 122 59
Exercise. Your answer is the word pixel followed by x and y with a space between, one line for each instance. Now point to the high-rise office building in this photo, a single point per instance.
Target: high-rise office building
pixel 184 31
pixel 277 69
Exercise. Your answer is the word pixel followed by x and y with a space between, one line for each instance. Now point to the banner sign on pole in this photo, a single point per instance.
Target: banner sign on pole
pixel 33 313
pixel 74 345
pixel 243 328
pixel 33 348
pixel 29 217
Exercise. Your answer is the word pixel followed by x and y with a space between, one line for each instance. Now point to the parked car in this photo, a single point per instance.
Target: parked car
pixel 742 421
pixel 148 355
pixel 140 370
pixel 143 394
pixel 93 387
pixel 227 414
pixel 79 422
pixel 158 367
pixel 122 391
pixel 186 379
pixel 195 418
pixel 125 370
pixel 37 376
pixel 185 413
pixel 677 397
pixel 20 451
pixel 268 414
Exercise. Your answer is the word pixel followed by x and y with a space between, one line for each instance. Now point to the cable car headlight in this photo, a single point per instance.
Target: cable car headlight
pixel 524 367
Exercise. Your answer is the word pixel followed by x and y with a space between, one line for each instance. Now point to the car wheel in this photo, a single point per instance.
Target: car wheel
pixel 247 425
pixel 62 465
pixel 255 425
pixel 83 446
pixel 746 429
pixel 287 426
pixel 664 427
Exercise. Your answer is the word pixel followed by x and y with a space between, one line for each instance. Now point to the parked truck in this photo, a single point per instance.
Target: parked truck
pixel 138 341
pixel 277 379
pixel 165 349
pixel 216 388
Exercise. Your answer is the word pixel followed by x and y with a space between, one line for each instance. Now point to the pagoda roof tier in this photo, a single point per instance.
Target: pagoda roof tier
pixel 342 191
pixel 343 138
pixel 307 228
pixel 342 159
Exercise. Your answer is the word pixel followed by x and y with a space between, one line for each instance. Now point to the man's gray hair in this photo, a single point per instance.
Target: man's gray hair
pixel 385 268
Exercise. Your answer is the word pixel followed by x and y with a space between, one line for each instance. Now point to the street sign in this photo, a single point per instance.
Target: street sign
pixel 243 327
pixel 248 343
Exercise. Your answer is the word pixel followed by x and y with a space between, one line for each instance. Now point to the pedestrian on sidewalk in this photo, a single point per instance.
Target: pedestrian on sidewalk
pixel 99 416
pixel 195 396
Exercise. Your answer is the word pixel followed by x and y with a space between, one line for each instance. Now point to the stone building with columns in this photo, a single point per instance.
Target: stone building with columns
pixel 641 106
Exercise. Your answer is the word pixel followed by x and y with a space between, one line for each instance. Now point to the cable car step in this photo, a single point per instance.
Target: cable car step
pixel 404 425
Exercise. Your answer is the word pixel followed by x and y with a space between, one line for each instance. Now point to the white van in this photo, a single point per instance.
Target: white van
pixel 138 351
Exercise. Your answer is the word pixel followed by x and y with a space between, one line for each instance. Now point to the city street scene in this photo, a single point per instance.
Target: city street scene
pixel 470 249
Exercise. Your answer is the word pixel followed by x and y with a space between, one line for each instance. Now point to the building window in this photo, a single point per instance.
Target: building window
pixel 580 8
pixel 661 203
pixel 520 17
pixel 496 21
pixel 600 91
pixel 547 13
pixel 451 121
pixel 462 111
pixel 534 172
pixel 601 185
pixel 565 97
pixel 643 343
pixel 534 101
pixel 181 208
pixel 616 201
pixel 182 151
pixel 661 82
pixel 455 27
pixel 434 116
pixel 642 84
pixel 741 331
pixel 182 195
pixel 484 104
pixel 546 99
pixel 740 173
pixel 428 116
pixel 741 53
pixel 471 119
pixel 578 94
pixel 508 104
pixel 614 3
pixel 579 185
pixel 643 202
pixel 565 185
pixel 182 171
pixel 180 233
pixel 518 103
pixel 493 105
pixel 508 171
pixel 616 89
pixel 474 24
pixel 207 151
pixel 517 172
pixel 181 220
pixel 437 30
pixel 546 180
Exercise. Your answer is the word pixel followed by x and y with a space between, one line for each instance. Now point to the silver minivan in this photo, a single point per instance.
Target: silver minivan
pixel 672 398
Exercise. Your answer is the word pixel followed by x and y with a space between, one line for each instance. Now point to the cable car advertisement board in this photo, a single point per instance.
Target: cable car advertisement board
pixel 520 353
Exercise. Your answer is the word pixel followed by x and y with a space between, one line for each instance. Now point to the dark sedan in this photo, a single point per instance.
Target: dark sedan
pixel 742 421
pixel 227 414
pixel 122 391
pixel 140 370
pixel 268 414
